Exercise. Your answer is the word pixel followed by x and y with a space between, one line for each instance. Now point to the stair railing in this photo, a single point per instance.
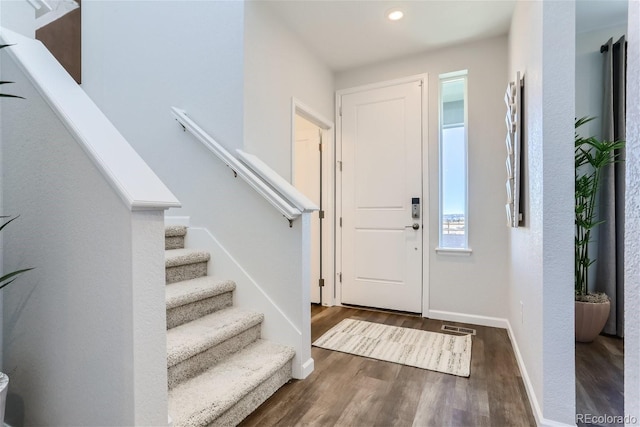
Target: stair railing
pixel 290 202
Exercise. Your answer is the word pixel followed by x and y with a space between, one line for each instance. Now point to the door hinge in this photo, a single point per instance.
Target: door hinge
pixel 321 214
pixel 340 111
pixel 321 283
pixel 340 277
pixel 340 221
pixel 340 165
pixel 320 147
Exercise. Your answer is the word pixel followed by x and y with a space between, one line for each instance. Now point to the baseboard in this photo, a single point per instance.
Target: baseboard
pixel 496 322
pixel 306 369
pixel 473 319
pixel 533 400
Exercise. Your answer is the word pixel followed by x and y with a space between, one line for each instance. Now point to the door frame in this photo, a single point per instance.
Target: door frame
pixel 426 200
pixel 328 191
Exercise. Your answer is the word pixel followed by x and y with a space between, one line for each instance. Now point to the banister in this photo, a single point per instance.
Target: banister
pixel 288 191
pixel 125 171
pixel 288 201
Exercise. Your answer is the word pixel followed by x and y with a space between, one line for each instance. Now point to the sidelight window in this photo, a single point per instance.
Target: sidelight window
pixel 453 161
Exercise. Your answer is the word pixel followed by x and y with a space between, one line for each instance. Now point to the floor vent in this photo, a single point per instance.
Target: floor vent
pixel 458 329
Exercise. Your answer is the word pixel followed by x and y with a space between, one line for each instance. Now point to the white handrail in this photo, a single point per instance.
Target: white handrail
pixel 288 208
pixel 281 185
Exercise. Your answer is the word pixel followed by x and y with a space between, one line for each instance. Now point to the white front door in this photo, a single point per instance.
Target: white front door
pixel 381 177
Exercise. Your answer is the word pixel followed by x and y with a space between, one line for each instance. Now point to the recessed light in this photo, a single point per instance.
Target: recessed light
pixel 395 14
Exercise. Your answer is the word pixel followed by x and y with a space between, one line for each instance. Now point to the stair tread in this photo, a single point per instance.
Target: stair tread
pixel 180 293
pixel 177 257
pixel 194 337
pixel 175 231
pixel 200 400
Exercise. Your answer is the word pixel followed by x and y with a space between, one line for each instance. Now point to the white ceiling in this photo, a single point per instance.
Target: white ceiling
pixel 350 33
pixel 347 34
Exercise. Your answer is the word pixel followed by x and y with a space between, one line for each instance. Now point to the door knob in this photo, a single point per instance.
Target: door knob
pixel 415 226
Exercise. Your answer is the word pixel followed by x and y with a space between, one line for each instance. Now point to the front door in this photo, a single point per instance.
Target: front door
pixel 382 201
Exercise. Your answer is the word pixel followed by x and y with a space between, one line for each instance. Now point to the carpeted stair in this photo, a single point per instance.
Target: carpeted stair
pixel 219 370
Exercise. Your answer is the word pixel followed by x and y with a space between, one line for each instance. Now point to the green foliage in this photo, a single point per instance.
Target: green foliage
pixel 6 95
pixel 591 156
pixel 8 278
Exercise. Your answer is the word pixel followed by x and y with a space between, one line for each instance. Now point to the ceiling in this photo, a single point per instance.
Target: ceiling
pixel 351 33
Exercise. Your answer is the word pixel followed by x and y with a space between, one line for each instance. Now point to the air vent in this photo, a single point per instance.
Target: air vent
pixel 458 329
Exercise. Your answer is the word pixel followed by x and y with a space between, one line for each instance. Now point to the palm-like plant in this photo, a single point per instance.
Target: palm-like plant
pixel 2 82
pixel 8 278
pixel 591 156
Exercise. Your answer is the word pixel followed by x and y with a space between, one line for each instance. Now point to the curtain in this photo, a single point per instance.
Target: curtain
pixel 610 258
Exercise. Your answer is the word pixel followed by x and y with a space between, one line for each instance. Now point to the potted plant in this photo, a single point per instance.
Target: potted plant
pixel 591 156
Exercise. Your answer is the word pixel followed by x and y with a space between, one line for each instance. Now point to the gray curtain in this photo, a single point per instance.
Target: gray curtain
pixel 610 259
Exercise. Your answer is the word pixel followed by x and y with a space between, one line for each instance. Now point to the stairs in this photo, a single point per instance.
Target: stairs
pixel 219 369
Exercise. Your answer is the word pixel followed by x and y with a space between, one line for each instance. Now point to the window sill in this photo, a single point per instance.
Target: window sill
pixel 454 251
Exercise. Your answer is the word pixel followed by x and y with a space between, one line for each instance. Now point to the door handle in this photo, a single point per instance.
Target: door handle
pixel 415 226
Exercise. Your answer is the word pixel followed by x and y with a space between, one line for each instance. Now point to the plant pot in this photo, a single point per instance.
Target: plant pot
pixel 590 319
pixel 4 386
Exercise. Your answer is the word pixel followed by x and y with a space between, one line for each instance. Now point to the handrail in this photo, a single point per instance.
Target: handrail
pixel 276 198
pixel 130 177
pixel 281 185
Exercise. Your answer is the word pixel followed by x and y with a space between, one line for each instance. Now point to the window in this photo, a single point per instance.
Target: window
pixel 453 161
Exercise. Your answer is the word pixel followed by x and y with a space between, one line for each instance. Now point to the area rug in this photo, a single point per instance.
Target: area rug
pixel 450 354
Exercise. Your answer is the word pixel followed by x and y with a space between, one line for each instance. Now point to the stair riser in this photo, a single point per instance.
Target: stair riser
pixel 185 272
pixel 186 313
pixel 174 242
pixel 255 398
pixel 206 359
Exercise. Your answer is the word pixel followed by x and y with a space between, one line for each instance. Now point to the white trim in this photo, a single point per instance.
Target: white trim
pixel 424 80
pixel 125 171
pixel 281 185
pixel 306 369
pixel 379 85
pixel 528 385
pixel 473 319
pixel 276 199
pixel 328 195
pixel 443 78
pixel 277 327
pixel 496 322
pixel 454 251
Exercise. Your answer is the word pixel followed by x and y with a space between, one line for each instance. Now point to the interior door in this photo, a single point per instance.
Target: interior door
pixel 308 179
pixel 381 180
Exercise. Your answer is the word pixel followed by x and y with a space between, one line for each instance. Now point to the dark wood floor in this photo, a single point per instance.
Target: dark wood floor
pixel 347 390
pixel 600 378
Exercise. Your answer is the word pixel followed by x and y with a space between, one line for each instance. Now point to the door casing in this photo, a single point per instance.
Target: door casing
pixel 328 192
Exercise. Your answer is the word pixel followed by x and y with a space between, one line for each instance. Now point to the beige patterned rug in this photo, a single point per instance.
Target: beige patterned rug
pixel 450 354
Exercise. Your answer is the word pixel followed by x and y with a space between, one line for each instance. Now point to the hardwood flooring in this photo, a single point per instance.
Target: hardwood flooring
pixel 600 378
pixel 347 390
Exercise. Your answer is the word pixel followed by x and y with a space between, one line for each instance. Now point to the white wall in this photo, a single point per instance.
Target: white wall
pixel 589 77
pixel 541 257
pixel 190 54
pixel 472 285
pixel 632 222
pixel 84 333
pixel 19 16
pixel 139 58
pixel 277 68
